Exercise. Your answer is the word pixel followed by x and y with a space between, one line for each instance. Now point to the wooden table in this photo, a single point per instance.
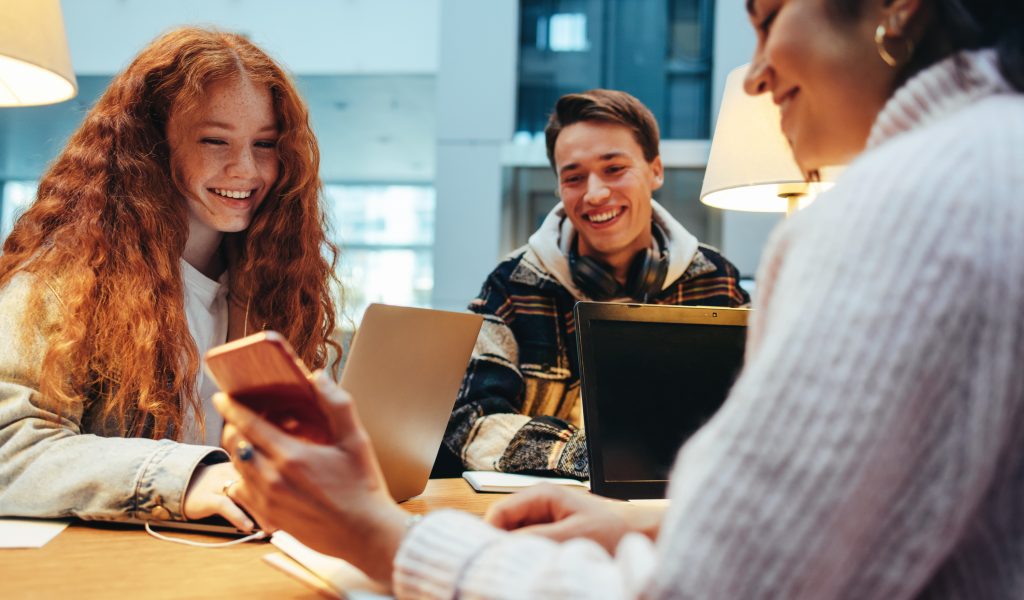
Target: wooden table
pixel 117 561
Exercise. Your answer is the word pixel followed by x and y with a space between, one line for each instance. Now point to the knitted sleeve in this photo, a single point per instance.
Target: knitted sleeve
pixel 455 555
pixel 850 457
pixel 870 448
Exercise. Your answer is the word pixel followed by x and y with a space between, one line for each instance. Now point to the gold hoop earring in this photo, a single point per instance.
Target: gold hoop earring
pixel 889 59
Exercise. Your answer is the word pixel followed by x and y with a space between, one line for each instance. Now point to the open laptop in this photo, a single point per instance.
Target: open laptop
pixel 403 371
pixel 651 376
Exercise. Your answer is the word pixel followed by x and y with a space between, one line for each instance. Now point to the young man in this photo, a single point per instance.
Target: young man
pixel 519 406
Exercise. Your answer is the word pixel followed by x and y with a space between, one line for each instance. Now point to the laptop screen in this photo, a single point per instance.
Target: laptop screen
pixel 648 386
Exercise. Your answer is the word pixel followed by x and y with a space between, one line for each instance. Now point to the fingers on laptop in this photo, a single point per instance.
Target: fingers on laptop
pixel 233 513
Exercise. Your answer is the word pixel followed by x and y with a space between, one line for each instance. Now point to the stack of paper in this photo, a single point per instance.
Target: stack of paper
pixel 329 575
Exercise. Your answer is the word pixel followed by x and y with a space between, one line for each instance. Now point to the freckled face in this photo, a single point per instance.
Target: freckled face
pixel 823 72
pixel 606 184
pixel 224 154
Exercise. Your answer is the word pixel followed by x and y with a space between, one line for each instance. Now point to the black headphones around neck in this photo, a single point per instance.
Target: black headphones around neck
pixel 644 280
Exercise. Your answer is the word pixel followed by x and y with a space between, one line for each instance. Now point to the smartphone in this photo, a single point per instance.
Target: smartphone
pixel 262 372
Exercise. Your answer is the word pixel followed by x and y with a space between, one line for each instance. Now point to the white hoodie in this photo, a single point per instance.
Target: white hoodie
pixel 551 245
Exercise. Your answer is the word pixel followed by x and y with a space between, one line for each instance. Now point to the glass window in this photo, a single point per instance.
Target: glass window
pixel 17 195
pixel 385 232
pixel 566 32
pixel 386 235
pixel 559 52
pixel 658 50
pixel 690 30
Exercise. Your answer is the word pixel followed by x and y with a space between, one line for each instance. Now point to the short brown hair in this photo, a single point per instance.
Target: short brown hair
pixel 606 106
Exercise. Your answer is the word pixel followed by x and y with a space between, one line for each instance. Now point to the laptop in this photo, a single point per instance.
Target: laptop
pixel 403 371
pixel 650 377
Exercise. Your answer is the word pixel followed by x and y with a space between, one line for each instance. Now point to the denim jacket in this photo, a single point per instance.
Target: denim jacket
pixel 70 465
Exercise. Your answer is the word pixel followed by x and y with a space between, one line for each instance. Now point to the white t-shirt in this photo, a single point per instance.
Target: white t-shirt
pixel 206 309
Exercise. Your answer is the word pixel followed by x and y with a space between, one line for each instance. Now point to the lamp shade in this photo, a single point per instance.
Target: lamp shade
pixel 751 166
pixel 35 66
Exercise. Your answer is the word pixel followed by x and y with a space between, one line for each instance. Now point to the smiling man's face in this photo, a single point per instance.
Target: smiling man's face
pixel 606 184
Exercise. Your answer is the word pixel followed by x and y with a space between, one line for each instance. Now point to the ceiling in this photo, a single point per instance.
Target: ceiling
pixel 371 128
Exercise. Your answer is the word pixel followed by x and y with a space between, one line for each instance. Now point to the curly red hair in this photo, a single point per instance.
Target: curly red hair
pixel 109 225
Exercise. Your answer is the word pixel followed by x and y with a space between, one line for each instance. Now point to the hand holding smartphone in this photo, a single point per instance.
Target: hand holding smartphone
pixel 262 372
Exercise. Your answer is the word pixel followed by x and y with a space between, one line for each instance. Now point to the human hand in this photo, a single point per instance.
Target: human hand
pixel 331 497
pixel 206 495
pixel 560 514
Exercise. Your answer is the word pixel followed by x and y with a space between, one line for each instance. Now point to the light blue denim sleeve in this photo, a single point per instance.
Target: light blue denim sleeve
pixel 50 467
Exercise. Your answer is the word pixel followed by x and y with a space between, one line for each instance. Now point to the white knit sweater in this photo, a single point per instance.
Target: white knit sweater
pixel 873 446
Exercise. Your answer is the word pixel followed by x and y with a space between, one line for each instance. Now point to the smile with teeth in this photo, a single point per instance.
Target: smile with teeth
pixel 784 101
pixel 602 217
pixel 235 194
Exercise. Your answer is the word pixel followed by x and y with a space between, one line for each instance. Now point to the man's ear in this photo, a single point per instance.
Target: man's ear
pixel 659 173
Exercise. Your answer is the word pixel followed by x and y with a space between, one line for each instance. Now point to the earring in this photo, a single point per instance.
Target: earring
pixel 889 59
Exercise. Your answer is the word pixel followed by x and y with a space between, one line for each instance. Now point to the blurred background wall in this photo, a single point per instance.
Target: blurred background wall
pixel 430 114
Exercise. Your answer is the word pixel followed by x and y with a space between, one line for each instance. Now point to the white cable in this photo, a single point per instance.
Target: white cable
pixel 259 535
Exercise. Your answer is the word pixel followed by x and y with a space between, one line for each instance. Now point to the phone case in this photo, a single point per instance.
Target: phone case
pixel 262 372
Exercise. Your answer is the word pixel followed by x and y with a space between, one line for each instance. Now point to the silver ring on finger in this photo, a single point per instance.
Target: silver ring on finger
pixel 244 451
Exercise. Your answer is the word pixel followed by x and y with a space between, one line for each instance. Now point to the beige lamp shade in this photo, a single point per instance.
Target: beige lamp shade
pixel 35 66
pixel 751 166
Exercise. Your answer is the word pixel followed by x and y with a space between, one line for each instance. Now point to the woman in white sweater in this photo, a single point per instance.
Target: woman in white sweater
pixel 873 446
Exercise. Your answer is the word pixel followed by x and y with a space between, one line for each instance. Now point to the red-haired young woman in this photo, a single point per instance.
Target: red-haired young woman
pixel 184 212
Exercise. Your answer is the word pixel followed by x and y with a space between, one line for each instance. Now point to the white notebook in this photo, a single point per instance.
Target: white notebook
pixel 328 574
pixel 507 483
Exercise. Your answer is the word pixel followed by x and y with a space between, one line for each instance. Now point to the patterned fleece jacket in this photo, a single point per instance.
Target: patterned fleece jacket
pixel 519 409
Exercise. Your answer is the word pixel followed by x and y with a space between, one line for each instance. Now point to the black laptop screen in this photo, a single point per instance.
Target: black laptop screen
pixel 655 384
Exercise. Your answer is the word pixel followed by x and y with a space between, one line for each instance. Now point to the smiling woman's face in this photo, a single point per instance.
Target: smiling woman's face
pixel 225 154
pixel 824 73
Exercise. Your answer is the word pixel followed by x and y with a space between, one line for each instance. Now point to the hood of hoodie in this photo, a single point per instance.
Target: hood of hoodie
pixel 550 243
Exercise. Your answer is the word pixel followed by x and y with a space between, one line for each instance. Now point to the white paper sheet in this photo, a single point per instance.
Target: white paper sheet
pixel 494 481
pixel 28 533
pixel 280 561
pixel 345 580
